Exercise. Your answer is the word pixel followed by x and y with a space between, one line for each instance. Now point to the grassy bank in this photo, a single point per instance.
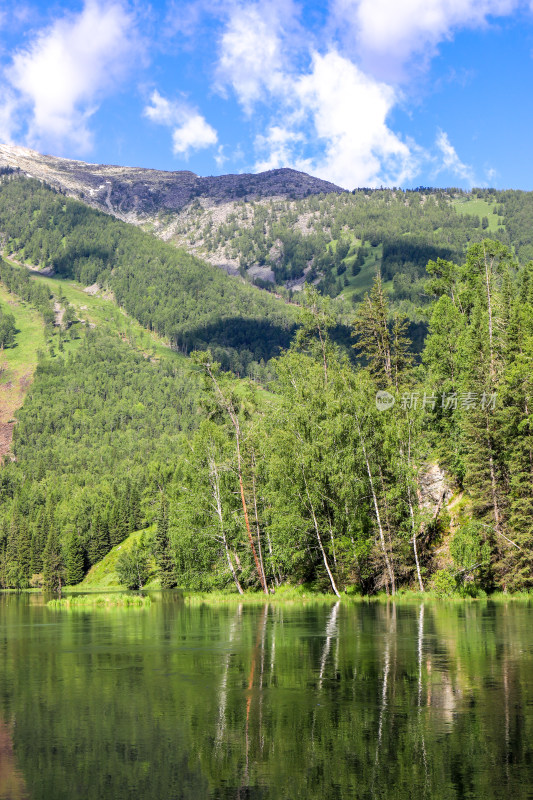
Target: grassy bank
pixel 300 595
pixel 99 601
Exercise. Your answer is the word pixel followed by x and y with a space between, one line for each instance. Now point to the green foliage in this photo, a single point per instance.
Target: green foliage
pixel 469 547
pixel 99 601
pixel 95 439
pixel 53 564
pixel 162 547
pixel 444 583
pixel 74 560
pixel 8 328
pixel 312 484
pixel 133 565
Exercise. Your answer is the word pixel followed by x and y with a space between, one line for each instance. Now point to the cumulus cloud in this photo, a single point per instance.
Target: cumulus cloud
pixel 278 147
pixel 190 130
pixel 387 34
pixel 326 115
pixel 59 79
pixel 450 161
pixel 329 111
pixel 252 55
pixel 349 111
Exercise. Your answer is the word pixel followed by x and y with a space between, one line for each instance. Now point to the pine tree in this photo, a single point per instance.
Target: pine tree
pixel 135 514
pixel 75 560
pixel 13 576
pixel 401 355
pixel 162 547
pixel 53 565
pixel 24 553
pixel 99 544
pixel 118 525
pixel 38 542
pixel 515 420
pixel 373 335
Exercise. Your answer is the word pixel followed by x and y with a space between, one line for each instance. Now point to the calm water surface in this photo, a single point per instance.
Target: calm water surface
pixel 179 701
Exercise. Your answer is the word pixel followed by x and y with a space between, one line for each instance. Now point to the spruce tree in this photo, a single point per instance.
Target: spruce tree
pixel 53 565
pixel 162 547
pixel 373 335
pixel 75 560
pixel 24 553
pixel 118 525
pixel 99 544
pixel 13 575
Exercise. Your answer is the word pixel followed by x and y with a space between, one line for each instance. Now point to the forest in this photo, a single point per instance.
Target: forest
pixel 167 290
pixel 310 474
pixel 335 239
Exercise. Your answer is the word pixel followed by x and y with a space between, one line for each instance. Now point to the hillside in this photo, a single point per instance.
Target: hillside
pixel 282 228
pixel 17 363
pixel 189 303
pixel 134 416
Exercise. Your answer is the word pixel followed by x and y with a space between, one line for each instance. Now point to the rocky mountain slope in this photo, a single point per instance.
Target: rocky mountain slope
pixel 138 195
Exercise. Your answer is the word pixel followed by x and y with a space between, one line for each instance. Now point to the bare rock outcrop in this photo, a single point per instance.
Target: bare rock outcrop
pixel 136 194
pixel 434 488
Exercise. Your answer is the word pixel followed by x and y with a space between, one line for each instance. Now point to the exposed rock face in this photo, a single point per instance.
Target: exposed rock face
pixel 136 194
pixel 435 489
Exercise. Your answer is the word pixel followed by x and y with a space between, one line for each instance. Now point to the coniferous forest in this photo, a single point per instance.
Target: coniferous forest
pixel 277 443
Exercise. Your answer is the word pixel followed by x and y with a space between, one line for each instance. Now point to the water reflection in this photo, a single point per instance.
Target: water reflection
pixel 370 701
pixel 12 785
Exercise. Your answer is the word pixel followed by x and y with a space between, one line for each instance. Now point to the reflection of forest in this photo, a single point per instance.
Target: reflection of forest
pixel 327 701
pixel 12 786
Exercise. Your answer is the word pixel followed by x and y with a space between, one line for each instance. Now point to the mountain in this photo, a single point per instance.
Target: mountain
pixel 135 194
pixel 296 475
pixel 281 229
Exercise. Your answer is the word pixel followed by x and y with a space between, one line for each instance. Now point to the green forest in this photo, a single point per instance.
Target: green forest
pixel 312 470
pixel 337 239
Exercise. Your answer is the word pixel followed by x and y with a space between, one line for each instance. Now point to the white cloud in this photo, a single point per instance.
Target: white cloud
pixel 8 115
pixel 60 78
pixel 331 114
pixel 162 111
pixel 388 34
pixel 220 158
pixel 194 134
pixel 450 160
pixel 340 114
pixel 326 115
pixel 190 131
pixel 349 110
pixel 252 57
pixel 278 146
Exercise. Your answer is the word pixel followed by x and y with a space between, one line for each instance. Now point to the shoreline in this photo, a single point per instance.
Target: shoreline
pixel 284 596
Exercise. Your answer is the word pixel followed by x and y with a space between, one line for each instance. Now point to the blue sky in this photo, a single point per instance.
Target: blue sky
pixel 359 92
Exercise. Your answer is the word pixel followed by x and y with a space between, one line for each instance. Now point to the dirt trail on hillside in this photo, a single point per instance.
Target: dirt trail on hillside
pixel 11 399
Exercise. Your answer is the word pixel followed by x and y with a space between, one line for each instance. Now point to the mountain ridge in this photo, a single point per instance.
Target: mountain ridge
pixel 138 194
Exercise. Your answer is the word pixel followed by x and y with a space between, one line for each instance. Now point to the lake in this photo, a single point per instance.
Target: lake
pixel 198 701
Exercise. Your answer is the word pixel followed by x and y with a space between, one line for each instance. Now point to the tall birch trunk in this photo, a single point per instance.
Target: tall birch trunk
pixel 215 488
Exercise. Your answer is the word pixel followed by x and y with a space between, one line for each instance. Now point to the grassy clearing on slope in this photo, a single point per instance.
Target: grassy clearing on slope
pixel 479 208
pixel 103 575
pixel 99 308
pixel 362 282
pixel 17 363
